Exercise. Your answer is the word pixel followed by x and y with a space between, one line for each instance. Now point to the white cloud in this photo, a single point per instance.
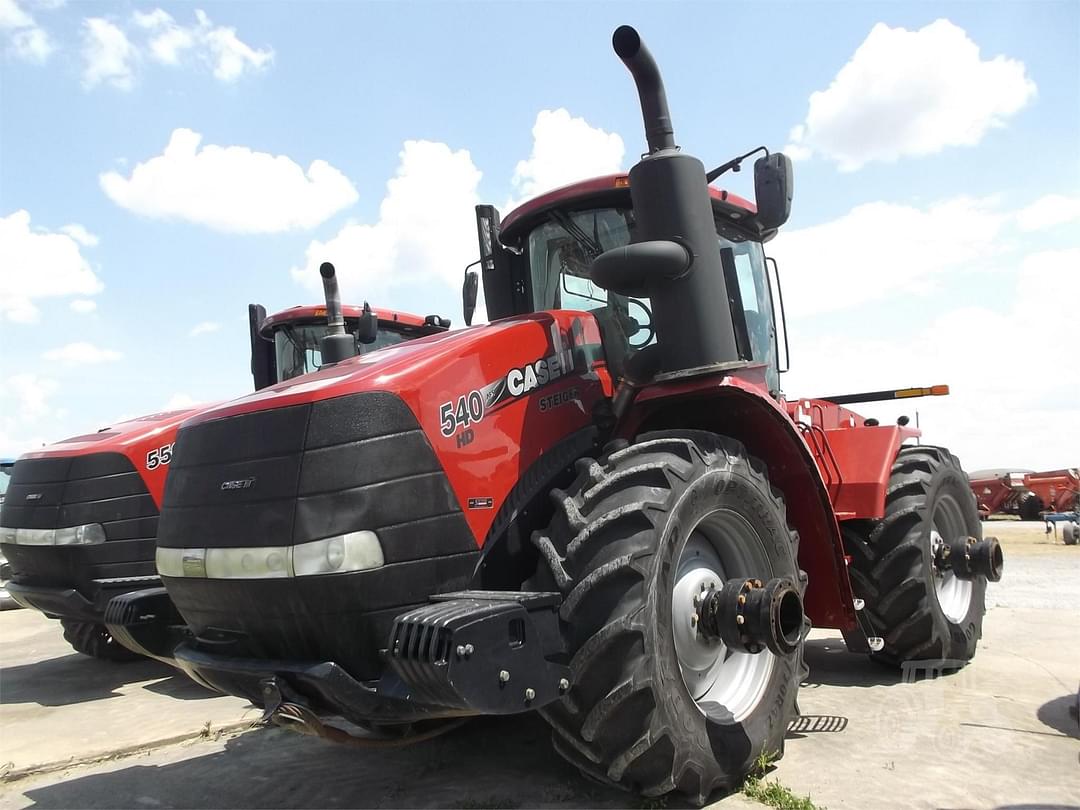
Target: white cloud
pixel 80 234
pixel 880 249
pixel 83 305
pixel 179 401
pixel 911 93
pixel 39 264
pixel 204 328
pixel 28 40
pixel 414 241
pixel 1001 412
pixel 26 417
pixel 231 57
pixel 413 255
pixel 230 188
pixel 219 47
pixel 108 55
pixel 13 16
pixel 1048 212
pixel 565 150
pixel 82 353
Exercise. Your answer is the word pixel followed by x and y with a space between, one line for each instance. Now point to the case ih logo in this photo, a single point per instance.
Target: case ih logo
pixel 240 483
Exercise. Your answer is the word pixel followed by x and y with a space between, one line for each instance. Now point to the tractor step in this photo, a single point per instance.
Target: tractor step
pixel 485 652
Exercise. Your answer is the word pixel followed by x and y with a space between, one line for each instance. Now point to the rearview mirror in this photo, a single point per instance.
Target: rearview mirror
pixel 773 186
pixel 468 294
pixel 368 327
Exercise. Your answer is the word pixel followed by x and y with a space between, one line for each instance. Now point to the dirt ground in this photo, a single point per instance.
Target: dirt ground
pixel 999 733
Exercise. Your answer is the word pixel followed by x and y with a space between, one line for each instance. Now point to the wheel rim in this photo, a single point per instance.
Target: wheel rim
pixel 953 594
pixel 717 549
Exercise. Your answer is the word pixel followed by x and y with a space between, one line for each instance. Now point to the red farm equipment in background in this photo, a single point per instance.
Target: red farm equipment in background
pixel 1027 495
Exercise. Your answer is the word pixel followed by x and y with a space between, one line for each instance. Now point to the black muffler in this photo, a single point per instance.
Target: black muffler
pixel 674 258
pixel 969 558
pixel 750 616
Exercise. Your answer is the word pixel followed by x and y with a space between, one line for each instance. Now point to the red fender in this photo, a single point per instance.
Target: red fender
pixel 740 408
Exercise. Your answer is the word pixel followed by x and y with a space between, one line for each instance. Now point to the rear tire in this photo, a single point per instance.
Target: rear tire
pixel 921 615
pixel 96 641
pixel 1031 507
pixel 626 540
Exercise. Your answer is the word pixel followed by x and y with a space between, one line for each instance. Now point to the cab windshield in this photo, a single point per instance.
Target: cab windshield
pixel 561 250
pixel 296 347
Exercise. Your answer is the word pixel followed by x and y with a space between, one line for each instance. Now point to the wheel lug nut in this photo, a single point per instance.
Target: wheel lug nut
pixel 693 620
pixel 740 619
pixel 530 694
pixel 504 676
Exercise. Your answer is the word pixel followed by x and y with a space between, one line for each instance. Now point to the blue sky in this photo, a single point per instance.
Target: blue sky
pixel 903 245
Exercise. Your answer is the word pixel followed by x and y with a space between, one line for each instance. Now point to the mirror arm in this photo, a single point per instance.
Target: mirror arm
pixel 733 164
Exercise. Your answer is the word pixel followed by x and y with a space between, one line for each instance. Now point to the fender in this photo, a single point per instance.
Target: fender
pixel 737 406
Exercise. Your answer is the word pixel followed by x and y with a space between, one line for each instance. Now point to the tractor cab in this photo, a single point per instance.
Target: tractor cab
pixel 289 343
pixel 540 258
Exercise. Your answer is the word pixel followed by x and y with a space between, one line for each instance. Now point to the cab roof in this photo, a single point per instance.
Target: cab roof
pixel 596 189
pixel 388 318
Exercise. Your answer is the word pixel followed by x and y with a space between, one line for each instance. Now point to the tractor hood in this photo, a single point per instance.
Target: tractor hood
pixel 118 438
pixel 437 364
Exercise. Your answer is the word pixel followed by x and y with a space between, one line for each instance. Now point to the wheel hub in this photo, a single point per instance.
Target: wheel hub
pixel 953 594
pixel 714 674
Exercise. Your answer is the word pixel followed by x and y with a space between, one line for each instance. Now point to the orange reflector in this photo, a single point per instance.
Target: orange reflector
pixel 320 312
pixel 932 391
pixel 622 182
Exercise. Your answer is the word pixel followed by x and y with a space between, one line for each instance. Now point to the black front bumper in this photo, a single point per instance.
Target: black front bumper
pixel 466 653
pixel 58 602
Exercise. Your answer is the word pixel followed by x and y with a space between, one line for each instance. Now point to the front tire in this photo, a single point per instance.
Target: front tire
pixel 96 641
pixel 648 708
pixel 922 614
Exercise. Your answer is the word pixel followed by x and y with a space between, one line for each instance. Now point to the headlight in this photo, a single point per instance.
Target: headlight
pixel 343 553
pixel 89 534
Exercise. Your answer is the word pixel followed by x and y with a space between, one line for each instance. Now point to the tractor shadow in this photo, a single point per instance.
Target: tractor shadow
pixel 1061 714
pixel 75 678
pixel 832 664
pixel 488 763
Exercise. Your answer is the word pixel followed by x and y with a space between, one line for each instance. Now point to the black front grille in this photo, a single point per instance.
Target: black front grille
pixel 105 488
pixel 303 473
pixel 291 475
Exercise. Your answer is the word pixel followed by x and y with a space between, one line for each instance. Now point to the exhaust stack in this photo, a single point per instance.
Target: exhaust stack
pixel 675 257
pixel 654 109
pixel 337 344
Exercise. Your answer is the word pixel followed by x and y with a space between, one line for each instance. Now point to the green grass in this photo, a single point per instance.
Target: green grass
pixel 773 793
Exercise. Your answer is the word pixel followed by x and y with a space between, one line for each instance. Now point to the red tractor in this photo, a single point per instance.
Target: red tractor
pixel 79 519
pixel 598 506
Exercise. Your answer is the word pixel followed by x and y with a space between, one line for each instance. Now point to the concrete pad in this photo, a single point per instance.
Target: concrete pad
pixel 57 705
pixel 996 734
pixel 488 763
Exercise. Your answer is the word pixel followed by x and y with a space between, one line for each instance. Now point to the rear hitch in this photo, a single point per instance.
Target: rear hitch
pixel 750 616
pixel 969 558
